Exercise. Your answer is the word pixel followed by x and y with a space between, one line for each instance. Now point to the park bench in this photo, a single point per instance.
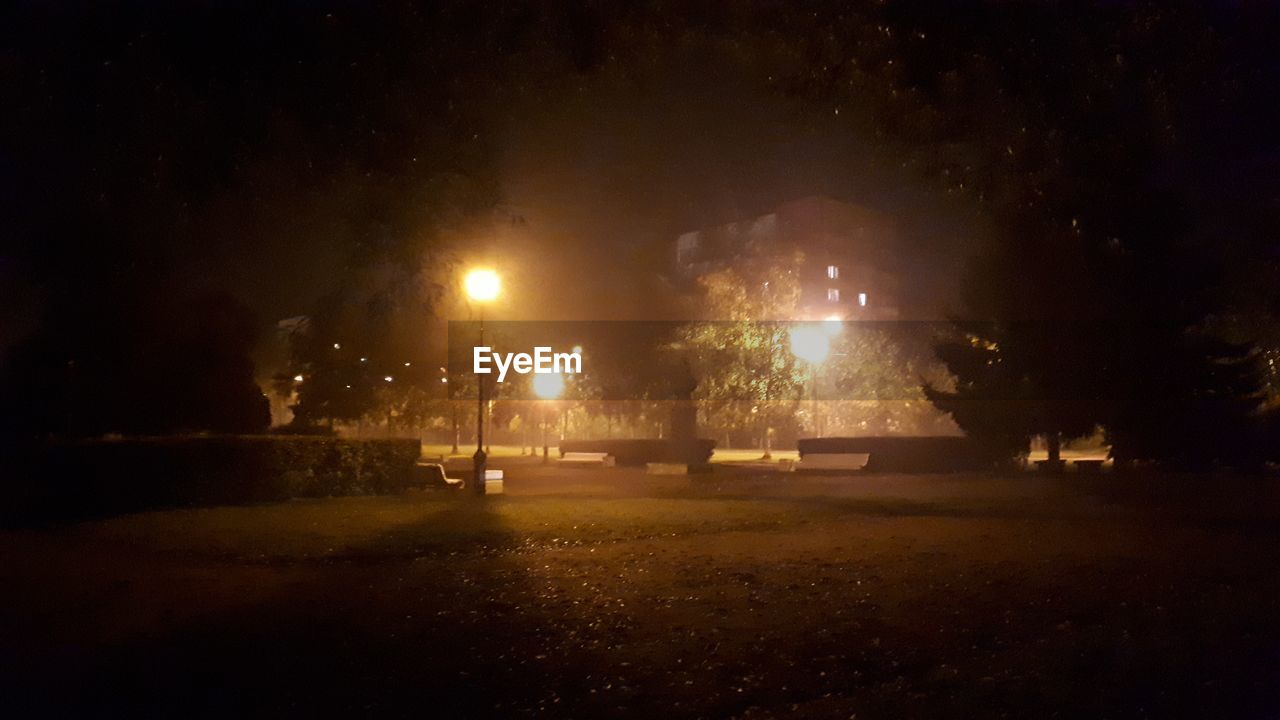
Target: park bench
pixel 586 459
pixel 1089 467
pixel 433 475
pixel 1051 467
pixel 833 461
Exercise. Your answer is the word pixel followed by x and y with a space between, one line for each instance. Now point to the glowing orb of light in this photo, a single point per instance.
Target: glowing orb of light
pixel 483 285
pixel 548 386
pixel 810 343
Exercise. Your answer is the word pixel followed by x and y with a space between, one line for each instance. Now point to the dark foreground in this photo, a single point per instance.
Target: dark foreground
pixel 605 593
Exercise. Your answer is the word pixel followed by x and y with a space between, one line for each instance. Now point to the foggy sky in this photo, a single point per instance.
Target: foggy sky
pixel 247 150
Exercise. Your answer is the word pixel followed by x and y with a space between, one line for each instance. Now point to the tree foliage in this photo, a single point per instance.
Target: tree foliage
pixel 876 372
pixel 750 377
pixel 747 377
pixel 138 368
pixel 1095 139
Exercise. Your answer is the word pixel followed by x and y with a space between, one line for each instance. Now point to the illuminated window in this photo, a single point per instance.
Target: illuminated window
pixel 833 295
pixel 862 299
pixel 833 271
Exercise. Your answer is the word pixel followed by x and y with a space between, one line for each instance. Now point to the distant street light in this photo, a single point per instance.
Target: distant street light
pixel 547 386
pixel 482 286
pixel 811 344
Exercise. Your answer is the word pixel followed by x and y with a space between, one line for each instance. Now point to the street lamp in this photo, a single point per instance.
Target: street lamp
pixel 482 286
pixel 811 344
pixel 547 386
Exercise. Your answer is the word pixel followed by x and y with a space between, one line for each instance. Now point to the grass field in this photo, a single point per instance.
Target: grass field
pixel 611 593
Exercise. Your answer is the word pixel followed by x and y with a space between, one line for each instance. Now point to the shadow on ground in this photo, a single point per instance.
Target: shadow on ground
pixel 438 619
pixel 926 597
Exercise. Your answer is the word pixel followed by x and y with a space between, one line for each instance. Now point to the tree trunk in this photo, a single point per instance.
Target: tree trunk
pixel 1054 442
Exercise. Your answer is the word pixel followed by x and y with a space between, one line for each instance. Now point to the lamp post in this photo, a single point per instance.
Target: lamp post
pixel 482 286
pixel 811 344
pixel 547 386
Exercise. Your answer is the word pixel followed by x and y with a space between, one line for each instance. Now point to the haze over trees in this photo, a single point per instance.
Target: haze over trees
pixel 338 162
pixel 751 379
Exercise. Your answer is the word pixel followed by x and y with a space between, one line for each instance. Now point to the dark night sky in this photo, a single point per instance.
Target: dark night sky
pixel 624 159
pixel 243 146
pixel 272 151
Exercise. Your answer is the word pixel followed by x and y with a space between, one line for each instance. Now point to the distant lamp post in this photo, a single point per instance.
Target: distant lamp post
pixel 811 344
pixel 833 325
pixel 547 386
pixel 482 286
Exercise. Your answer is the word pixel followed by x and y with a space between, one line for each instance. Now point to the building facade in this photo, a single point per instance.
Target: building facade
pixel 848 260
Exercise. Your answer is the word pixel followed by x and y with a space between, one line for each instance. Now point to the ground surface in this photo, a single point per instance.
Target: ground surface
pixel 608 593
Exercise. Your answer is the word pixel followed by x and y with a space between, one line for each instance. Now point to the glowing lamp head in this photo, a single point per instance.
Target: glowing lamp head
pixel 482 285
pixel 548 386
pixel 810 343
pixel 833 325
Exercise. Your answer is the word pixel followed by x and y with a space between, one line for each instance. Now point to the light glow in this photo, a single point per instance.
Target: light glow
pixel 810 343
pixel 548 386
pixel 483 285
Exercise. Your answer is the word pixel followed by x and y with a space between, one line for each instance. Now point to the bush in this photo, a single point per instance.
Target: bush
pixel 112 476
pixel 639 452
pixel 906 454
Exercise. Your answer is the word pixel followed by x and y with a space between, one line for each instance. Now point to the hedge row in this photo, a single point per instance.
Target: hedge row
pixel 905 454
pixel 639 452
pixel 111 476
